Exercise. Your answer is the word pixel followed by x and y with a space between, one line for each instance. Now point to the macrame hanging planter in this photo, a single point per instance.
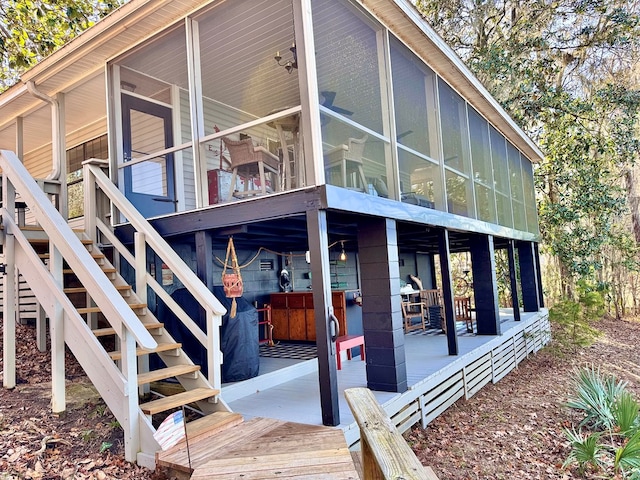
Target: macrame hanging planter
pixel 232 282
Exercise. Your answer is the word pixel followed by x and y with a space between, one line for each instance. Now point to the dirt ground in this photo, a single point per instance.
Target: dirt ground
pixel 514 429
pixel 511 430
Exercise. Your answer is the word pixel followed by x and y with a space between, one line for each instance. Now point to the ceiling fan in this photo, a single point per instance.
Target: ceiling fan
pixel 326 100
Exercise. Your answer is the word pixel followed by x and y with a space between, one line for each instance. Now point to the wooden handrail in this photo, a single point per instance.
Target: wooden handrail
pixel 77 256
pixel 214 310
pixel 189 279
pixel 385 453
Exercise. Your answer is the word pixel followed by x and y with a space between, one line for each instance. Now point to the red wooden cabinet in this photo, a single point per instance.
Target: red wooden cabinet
pixel 293 316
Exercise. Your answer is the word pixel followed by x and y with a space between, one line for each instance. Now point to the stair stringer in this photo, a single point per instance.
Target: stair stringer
pixel 89 352
pixel 164 337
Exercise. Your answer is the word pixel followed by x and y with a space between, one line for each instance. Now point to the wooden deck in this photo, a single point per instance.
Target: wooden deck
pixel 266 448
pixel 436 380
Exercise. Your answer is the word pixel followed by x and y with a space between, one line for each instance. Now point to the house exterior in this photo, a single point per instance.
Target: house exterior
pixel 302 129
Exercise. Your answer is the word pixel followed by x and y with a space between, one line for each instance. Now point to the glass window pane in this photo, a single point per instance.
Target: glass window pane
pixel 413 89
pixel 485 203
pixel 347 63
pixel 480 148
pixel 519 216
pixel 515 173
pixel 458 194
pixel 503 205
pixel 353 159
pixel 420 181
pixel 500 163
pixel 532 221
pixel 527 181
pixel 96 148
pixel 453 121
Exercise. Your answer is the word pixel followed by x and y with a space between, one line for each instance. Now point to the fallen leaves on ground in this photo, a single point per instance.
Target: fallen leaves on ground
pixel 514 429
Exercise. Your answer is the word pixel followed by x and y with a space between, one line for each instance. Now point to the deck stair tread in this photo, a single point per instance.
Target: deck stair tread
pixel 45 241
pixel 162 347
pixel 178 400
pixel 133 306
pixel 211 424
pixel 120 288
pixel 168 372
pixel 96 255
pixel 101 332
pixel 263 447
pixel 69 271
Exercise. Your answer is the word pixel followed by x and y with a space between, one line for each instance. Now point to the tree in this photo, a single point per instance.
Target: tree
pixel 562 71
pixel 32 29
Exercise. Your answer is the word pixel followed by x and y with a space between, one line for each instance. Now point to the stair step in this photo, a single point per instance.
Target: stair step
pixel 178 400
pixel 45 241
pixel 103 332
pixel 96 256
pixel 164 373
pixel 212 424
pixel 162 347
pixel 107 270
pixel 133 306
pixel 120 288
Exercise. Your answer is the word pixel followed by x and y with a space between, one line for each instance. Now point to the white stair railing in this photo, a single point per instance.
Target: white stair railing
pixel 118 388
pixel 145 235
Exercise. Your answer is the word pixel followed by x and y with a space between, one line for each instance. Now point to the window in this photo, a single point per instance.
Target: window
pixel 96 148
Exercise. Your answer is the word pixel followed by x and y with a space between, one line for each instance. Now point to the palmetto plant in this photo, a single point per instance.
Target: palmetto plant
pixel 611 413
pixel 585 450
pixel 627 457
pixel 625 414
pixel 595 396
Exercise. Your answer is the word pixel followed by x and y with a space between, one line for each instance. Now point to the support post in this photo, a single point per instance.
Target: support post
pixel 9 314
pixel 56 327
pixel 539 275
pixel 41 329
pixel 485 285
pixel 323 310
pixel 529 276
pixel 447 291
pixel 131 422
pixel 381 310
pixel 513 280
pixel 140 255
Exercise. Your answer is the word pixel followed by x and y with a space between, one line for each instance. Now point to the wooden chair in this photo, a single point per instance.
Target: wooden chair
pixel 433 298
pixel 463 311
pixel 410 312
pixel 348 158
pixel 250 161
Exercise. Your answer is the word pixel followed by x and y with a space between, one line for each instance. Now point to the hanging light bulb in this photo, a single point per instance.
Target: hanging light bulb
pixel 343 254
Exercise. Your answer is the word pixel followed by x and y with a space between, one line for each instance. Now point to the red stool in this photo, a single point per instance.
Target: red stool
pixel 347 342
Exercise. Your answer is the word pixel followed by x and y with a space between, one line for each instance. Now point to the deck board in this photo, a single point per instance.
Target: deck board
pixel 298 399
pixel 263 448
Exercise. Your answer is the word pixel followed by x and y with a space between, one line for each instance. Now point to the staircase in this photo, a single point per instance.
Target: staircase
pixel 104 320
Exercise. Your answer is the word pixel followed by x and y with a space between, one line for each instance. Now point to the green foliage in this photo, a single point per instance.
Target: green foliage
pixel 105 446
pixel 585 451
pixel 627 457
pixel 596 396
pixel 625 414
pixel 32 29
pixel 562 70
pixel 610 412
pixel 573 318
